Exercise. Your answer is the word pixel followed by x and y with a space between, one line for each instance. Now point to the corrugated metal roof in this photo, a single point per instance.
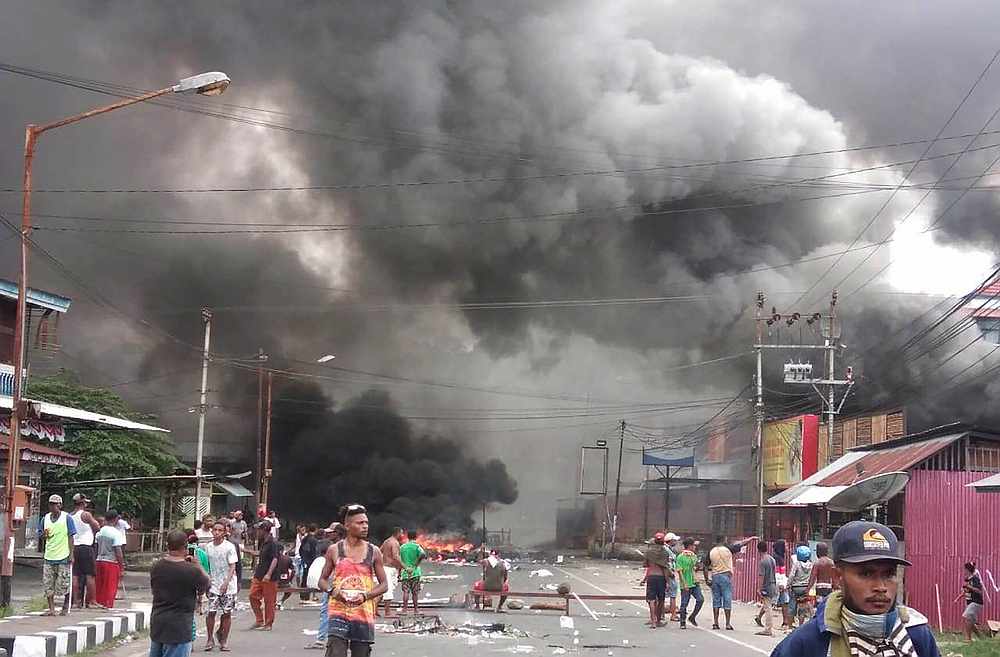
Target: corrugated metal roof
pixel 38 448
pixel 39 298
pixel 69 413
pixel 791 495
pixel 988 485
pixel 894 459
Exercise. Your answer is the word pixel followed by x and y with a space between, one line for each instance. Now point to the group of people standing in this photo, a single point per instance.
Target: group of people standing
pixel 82 553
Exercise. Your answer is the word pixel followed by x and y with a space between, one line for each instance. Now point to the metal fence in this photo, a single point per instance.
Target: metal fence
pixel 948 524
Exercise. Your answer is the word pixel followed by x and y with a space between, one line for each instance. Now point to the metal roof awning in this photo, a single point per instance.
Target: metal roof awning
pixel 987 485
pixel 86 417
pixel 233 488
pixel 805 488
pixel 39 298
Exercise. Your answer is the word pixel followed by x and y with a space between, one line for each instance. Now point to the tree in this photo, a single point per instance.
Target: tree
pixel 107 453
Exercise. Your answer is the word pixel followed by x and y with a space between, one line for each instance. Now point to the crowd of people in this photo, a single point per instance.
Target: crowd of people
pixel 838 600
pixel 842 604
pixel 352 575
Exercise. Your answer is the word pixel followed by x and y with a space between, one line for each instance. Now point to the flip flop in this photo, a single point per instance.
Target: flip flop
pixel 224 649
pixel 210 647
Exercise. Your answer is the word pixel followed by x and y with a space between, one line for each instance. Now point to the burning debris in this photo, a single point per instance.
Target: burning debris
pixel 430 624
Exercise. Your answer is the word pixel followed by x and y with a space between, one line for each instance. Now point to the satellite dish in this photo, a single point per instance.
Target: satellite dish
pixel 869 492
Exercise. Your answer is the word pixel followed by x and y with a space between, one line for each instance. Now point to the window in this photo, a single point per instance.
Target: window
pixel 990 328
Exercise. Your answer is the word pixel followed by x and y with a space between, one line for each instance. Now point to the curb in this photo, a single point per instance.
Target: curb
pixel 71 639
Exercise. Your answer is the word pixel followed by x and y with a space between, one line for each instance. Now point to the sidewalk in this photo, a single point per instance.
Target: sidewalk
pixel 34 635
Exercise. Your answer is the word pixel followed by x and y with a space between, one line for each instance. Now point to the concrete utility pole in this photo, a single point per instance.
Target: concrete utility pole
pixel 266 488
pixel 758 442
pixel 799 373
pixel 206 316
pixel 618 485
pixel 259 472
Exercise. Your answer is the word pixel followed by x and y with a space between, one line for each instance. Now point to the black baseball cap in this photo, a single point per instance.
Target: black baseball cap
pixel 861 542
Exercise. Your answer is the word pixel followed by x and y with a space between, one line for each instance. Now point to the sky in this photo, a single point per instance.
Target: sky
pixel 560 150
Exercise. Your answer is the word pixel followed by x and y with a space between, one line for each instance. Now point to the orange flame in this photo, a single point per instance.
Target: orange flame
pixel 441 544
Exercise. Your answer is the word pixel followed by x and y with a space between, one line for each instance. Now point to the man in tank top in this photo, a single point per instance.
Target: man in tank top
pixel 84 561
pixel 57 564
pixel 355 577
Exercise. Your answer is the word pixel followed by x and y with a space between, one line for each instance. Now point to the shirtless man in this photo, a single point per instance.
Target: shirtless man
pixel 824 574
pixel 355 577
pixel 392 565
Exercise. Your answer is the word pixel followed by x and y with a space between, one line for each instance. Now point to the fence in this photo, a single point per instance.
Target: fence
pixel 948 524
pixel 745 573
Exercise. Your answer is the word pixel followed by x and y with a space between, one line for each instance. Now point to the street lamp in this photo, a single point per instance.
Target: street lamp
pixel 207 84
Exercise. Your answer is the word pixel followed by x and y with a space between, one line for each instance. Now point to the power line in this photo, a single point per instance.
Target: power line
pixel 906 177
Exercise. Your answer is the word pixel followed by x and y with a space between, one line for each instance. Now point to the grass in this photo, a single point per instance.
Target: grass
pixel 37 603
pixel 954 644
pixel 137 638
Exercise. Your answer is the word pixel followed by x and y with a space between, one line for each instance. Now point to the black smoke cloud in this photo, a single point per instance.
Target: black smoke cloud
pixel 365 452
pixel 436 90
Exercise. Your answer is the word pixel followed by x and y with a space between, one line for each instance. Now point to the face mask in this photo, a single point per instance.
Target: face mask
pixel 872 626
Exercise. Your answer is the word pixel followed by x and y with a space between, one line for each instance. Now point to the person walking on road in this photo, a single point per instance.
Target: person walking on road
pixel 307 555
pixel 355 578
pixel 392 565
pixel 655 579
pixel 329 536
pixel 767 588
pixel 719 577
pixel 798 582
pixel 84 565
pixel 686 562
pixel 264 585
pixel 410 555
pixel 863 619
pixel 57 566
pixel 824 573
pixel 110 542
pixel 224 587
pixel 177 581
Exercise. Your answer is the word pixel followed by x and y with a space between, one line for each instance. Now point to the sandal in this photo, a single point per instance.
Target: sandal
pixel 223 648
pixel 715 626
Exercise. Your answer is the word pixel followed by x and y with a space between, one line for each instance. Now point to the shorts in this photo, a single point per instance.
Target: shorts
pixel 672 588
pixel 480 585
pixel 391 580
pixel 722 591
pixel 55 579
pixel 783 598
pixel 411 586
pixel 84 561
pixel 973 612
pixel 656 588
pixel 823 591
pixel 337 647
pixel 220 604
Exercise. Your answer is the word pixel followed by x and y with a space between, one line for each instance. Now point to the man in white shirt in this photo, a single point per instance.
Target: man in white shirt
pixel 222 560
pixel 84 566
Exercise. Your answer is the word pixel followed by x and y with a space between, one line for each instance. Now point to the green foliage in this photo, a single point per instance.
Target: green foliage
pixel 107 454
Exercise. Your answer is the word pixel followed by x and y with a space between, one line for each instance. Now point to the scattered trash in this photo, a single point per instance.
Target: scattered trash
pixel 566 622
pixel 541 572
pixel 435 578
pixel 515 604
pixel 559 559
pixel 310 632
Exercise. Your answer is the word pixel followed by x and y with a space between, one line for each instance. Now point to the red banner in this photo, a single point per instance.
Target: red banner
pixel 53 431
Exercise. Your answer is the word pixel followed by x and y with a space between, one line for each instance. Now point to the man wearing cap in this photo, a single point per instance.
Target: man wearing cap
pixel 84 561
pixel 862 619
pixel 670 545
pixel 657 565
pixel 57 566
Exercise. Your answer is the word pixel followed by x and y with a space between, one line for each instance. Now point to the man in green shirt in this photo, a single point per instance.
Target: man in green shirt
pixel 685 564
pixel 410 555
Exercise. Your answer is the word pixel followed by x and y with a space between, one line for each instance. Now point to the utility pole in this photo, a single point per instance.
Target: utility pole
pixel 267 444
pixel 206 316
pixel 799 373
pixel 666 499
pixel 618 485
pixel 259 471
pixel 758 441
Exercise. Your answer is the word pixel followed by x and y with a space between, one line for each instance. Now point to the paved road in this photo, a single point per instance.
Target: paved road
pixel 618 629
